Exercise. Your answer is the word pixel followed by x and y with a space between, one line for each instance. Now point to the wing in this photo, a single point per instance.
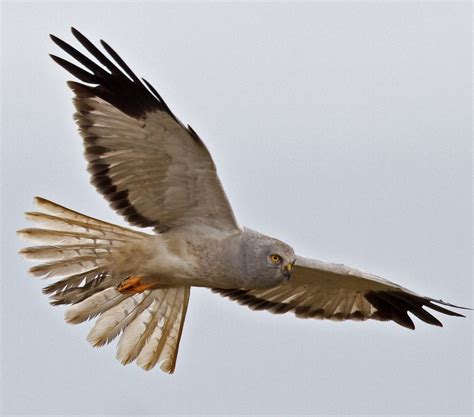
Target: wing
pixel 152 169
pixel 324 290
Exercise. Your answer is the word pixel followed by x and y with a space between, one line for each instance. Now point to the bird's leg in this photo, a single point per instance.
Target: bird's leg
pixel 134 284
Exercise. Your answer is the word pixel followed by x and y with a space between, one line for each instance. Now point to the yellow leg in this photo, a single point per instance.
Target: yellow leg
pixel 133 285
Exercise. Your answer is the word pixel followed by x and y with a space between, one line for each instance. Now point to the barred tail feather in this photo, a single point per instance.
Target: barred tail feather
pixel 76 249
pixel 154 333
pixel 161 347
pixel 94 305
pixel 113 321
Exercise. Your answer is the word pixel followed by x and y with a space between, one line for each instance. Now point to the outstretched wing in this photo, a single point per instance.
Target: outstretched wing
pixel 324 290
pixel 152 169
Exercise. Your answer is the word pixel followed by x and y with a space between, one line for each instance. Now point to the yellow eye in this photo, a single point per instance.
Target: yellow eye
pixel 276 259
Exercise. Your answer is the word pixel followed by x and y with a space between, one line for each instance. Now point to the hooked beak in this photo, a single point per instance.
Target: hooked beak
pixel 287 270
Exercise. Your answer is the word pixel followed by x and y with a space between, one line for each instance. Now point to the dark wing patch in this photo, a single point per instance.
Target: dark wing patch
pixel 127 93
pixel 389 305
pixel 395 305
pixel 118 199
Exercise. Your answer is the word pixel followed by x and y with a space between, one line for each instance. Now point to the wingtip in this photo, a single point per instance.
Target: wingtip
pixel 55 58
pixel 437 323
pixel 78 35
pixel 72 84
pixel 409 326
pixel 56 40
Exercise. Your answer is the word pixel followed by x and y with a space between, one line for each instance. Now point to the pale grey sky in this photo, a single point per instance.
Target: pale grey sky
pixel 343 129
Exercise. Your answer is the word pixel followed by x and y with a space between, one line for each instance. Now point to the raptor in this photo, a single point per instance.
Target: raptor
pixel 157 173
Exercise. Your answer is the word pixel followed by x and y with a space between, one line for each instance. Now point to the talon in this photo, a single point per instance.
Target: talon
pixel 133 285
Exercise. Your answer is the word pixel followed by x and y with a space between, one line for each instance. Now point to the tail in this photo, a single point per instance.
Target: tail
pixel 80 252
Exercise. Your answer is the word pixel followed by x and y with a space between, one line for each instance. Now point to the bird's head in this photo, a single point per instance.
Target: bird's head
pixel 268 261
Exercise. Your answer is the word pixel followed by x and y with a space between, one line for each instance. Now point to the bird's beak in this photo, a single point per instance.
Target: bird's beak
pixel 287 270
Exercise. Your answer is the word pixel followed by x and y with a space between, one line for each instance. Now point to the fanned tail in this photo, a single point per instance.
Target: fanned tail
pixel 82 253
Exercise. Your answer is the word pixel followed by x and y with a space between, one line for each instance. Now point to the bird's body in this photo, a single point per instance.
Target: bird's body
pixel 157 173
pixel 199 256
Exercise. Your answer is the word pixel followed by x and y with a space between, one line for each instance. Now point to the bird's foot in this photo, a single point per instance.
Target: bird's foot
pixel 133 285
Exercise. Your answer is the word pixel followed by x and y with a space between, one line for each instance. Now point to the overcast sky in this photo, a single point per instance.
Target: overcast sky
pixel 343 129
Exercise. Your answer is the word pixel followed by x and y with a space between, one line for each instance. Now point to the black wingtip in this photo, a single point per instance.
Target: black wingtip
pixel 116 84
pixel 75 32
pixel 56 58
pixel 79 36
pixel 406 322
pixel 55 39
pixel 120 61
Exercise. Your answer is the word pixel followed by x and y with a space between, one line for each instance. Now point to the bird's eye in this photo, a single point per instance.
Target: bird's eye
pixel 276 259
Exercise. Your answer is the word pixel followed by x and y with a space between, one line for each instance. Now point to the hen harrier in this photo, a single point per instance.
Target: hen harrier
pixel 157 173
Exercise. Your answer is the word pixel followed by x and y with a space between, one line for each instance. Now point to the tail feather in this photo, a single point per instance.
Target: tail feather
pixel 161 345
pixel 94 305
pixel 91 285
pixel 152 331
pixel 79 252
pixel 68 267
pixel 170 348
pixel 71 282
pixel 92 229
pixel 64 237
pixel 111 323
pixel 55 252
pixel 139 331
pixel 149 355
pixel 66 213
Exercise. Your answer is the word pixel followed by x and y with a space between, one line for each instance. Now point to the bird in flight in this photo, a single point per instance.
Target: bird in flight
pixel 157 173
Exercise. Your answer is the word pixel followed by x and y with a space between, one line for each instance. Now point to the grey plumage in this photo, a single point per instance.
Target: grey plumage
pixel 156 172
